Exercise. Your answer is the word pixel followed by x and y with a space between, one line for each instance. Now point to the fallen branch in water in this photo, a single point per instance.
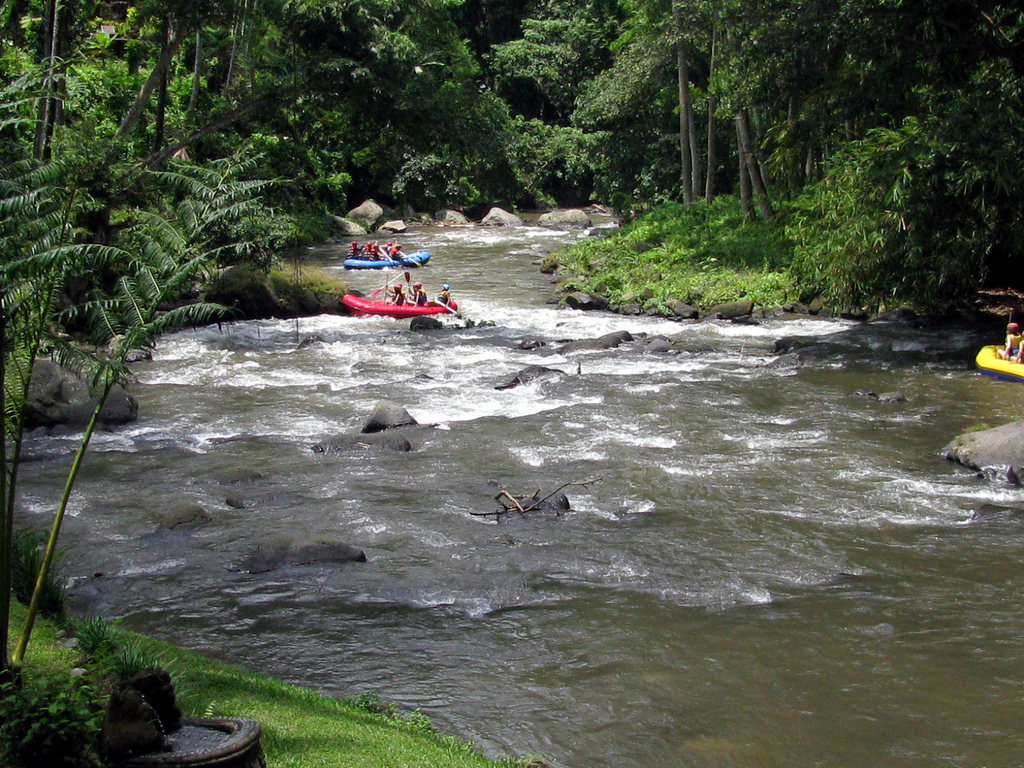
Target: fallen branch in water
pixel 524 504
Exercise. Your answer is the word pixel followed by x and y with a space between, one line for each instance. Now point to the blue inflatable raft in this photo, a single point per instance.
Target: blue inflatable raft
pixel 404 261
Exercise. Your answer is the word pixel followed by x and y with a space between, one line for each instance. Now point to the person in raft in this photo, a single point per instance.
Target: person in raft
pixel 445 296
pixel 397 294
pixel 353 249
pixel 1012 350
pixel 419 296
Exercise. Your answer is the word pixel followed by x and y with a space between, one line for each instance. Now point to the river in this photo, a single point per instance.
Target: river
pixel 760 567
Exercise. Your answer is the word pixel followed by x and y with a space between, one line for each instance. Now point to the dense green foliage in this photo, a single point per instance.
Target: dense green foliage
pixel 894 128
pixel 702 255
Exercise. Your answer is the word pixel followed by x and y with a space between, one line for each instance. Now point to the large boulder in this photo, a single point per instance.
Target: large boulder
pixel 252 295
pixel 731 310
pixel 347 227
pixel 59 397
pixel 387 415
pixel 396 226
pixel 498 217
pixel 246 292
pixel 448 216
pixel 367 213
pixel 567 218
pixel 998 452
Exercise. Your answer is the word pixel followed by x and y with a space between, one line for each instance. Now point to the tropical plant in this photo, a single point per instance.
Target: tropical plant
pixel 28 553
pixel 151 265
pixel 51 721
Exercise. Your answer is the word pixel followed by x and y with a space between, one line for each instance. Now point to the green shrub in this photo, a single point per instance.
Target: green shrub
pixel 28 556
pixel 49 721
pixel 113 651
pixel 285 279
pixel 703 255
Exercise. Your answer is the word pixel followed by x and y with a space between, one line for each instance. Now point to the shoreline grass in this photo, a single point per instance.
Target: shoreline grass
pixel 300 727
pixel 702 255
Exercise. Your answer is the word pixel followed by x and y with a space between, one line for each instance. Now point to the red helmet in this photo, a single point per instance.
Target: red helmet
pixel 417 285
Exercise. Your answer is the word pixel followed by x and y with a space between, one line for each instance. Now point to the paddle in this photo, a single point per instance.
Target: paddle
pixel 376 291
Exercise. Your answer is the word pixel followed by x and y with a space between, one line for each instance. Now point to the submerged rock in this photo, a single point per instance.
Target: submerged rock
pixel 528 374
pixel 608 341
pixel 386 440
pixel 273 555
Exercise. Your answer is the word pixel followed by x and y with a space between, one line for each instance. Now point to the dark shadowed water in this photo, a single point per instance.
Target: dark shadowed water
pixel 762 568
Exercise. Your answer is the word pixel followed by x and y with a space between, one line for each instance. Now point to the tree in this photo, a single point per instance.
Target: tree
pixel 155 260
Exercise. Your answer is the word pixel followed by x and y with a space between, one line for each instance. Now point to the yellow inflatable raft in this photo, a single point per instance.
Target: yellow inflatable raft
pixel 990 363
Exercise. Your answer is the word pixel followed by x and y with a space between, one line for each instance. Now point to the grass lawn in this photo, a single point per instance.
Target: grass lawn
pixel 300 728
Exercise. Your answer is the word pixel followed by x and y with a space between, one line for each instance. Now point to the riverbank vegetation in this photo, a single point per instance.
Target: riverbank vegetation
pixel 702 255
pixel 56 718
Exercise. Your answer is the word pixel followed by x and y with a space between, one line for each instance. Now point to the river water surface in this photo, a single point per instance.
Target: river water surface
pixel 760 567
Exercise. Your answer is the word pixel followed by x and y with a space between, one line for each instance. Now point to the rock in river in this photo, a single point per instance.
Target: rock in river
pixel 998 452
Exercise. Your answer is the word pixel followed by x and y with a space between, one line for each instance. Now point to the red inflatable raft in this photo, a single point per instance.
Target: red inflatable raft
pixel 360 306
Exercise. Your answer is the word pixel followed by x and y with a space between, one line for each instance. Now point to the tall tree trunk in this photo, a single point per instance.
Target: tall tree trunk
pixel 161 98
pixel 709 182
pixel 142 98
pixel 6 509
pixel 745 202
pixel 686 175
pixel 753 167
pixel 685 119
pixel 238 41
pixel 46 113
pixel 197 63
pixel 695 169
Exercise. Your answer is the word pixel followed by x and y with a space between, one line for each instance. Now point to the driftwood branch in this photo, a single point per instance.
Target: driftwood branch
pixel 524 504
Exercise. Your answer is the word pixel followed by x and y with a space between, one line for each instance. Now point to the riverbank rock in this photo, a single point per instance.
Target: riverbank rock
pixel 60 398
pixel 498 217
pixel 568 218
pixel 346 227
pixel 275 554
pixel 997 453
pixel 367 213
pixel 731 310
pixel 448 216
pixel 396 226
pixel 585 301
pixel 251 295
pixel 387 415
pixel 681 309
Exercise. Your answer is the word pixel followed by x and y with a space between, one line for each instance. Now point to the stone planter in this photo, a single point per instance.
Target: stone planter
pixel 223 742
